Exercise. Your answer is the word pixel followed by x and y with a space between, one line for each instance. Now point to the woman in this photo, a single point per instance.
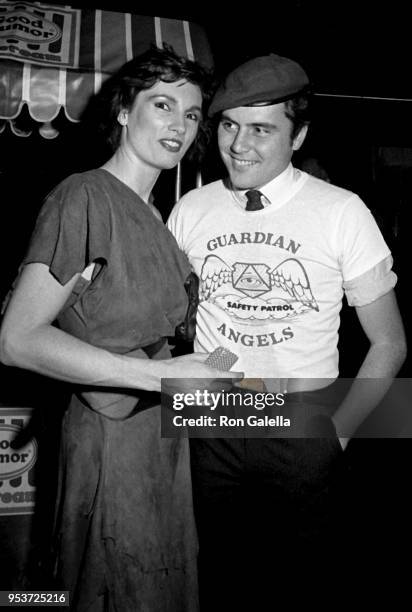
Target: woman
pixel 103 265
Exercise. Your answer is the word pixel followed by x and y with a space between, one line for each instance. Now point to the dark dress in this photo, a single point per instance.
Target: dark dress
pixel 125 535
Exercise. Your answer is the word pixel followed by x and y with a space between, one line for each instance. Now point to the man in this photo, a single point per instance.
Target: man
pixel 275 250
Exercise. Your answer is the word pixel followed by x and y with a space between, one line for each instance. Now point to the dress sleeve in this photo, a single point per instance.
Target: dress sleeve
pixel 71 230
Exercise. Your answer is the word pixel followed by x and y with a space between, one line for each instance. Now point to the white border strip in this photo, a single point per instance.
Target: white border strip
pixel 25 90
pixel 62 86
pixel 97 51
pixel 188 40
pixel 128 36
pixel 178 182
pixel 77 39
pixel 158 32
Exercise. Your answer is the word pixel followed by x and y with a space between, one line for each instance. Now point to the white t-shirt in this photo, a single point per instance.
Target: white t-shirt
pixel 272 280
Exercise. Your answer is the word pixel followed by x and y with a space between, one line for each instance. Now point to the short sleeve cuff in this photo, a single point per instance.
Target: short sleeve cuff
pixel 371 285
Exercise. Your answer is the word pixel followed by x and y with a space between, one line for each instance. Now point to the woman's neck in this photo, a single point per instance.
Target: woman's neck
pixel 141 179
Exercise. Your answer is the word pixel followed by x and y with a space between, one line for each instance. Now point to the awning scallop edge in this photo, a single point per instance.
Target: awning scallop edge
pixel 65 73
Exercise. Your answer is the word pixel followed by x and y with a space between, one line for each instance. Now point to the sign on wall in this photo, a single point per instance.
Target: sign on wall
pixel 54 57
pixel 45 36
pixel 17 464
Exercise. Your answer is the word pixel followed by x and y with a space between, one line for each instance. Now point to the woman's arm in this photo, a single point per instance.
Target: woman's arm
pixel 29 340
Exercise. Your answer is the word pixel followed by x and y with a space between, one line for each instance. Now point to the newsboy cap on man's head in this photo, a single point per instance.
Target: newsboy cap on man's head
pixel 267 79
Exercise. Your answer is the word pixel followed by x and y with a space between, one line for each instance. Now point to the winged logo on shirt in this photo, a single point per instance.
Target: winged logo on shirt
pixel 286 288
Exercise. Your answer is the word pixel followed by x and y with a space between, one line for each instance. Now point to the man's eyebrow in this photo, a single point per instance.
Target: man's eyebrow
pixel 195 107
pixel 227 117
pixel 172 99
pixel 262 124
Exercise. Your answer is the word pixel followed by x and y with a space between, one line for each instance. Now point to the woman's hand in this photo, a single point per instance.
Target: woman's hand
pixel 189 373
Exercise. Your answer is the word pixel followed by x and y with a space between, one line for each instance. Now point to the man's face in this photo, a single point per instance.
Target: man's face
pixel 255 144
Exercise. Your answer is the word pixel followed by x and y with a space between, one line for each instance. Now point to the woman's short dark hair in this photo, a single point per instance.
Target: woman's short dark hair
pixel 298 110
pixel 142 72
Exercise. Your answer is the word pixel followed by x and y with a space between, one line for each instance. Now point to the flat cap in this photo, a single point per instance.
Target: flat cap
pixel 270 78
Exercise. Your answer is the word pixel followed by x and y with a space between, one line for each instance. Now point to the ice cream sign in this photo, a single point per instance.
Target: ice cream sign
pixel 17 463
pixel 39 34
pixel 28 27
pixel 14 462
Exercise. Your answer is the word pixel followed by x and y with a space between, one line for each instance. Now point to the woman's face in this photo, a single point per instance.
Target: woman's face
pixel 162 124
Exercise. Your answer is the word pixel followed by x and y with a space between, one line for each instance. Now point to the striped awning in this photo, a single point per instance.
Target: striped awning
pixel 54 58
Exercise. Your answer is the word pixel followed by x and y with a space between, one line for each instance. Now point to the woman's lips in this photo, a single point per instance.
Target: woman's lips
pixel 171 144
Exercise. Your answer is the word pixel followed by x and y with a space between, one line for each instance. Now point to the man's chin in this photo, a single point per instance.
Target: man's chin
pixel 241 183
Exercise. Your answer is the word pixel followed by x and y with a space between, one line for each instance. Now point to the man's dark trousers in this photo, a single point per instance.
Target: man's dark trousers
pixel 267 512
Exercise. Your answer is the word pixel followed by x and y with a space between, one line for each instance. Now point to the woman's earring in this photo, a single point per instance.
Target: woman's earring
pixel 122 118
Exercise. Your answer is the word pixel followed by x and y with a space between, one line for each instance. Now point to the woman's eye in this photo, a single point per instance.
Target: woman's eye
pixel 193 117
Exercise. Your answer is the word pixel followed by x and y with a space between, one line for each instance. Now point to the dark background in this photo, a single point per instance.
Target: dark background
pixel 358 56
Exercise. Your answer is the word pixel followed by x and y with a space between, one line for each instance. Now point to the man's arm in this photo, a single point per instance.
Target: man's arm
pixel 382 323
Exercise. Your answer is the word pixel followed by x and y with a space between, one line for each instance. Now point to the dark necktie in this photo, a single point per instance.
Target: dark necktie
pixel 253 200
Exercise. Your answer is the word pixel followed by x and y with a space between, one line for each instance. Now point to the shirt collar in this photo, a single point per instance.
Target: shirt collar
pixel 274 193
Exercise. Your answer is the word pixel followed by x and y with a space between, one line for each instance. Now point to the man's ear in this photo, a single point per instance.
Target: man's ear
pixel 299 139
